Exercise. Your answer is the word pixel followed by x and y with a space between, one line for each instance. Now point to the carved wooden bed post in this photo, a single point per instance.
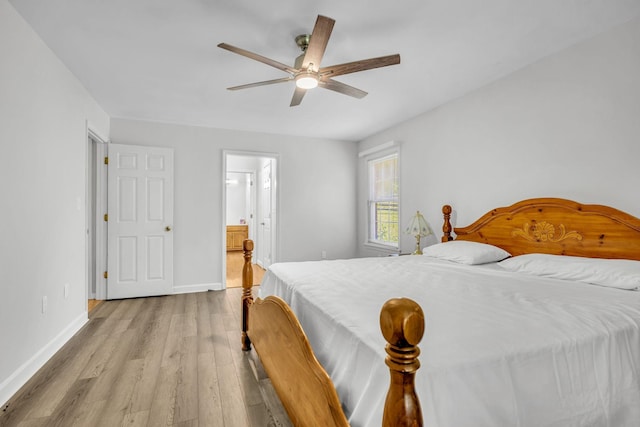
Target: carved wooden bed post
pixel 402 324
pixel 446 227
pixel 247 297
pixel 302 384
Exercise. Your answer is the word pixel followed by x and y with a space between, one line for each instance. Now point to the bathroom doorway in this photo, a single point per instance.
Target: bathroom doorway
pixel 250 200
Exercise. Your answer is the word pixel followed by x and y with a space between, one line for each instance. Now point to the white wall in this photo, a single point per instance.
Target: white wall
pixel 316 188
pixel 238 200
pixel 567 126
pixel 43 145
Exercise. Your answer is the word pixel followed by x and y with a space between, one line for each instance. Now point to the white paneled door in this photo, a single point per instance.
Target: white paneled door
pixel 140 221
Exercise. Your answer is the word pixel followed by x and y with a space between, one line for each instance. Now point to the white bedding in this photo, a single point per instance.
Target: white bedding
pixel 500 348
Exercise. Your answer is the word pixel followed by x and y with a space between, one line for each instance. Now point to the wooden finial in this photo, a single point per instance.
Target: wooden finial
pixel 402 325
pixel 446 227
pixel 247 297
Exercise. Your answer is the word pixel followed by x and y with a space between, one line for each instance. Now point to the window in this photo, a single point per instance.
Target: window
pixel 383 200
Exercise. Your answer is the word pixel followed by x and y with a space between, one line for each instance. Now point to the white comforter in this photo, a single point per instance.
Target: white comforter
pixel 500 349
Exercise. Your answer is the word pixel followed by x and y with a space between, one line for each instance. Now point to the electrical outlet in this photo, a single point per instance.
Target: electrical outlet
pixel 44 304
pixel 66 290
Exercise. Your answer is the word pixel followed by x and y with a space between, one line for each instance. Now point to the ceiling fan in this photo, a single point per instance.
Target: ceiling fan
pixel 307 72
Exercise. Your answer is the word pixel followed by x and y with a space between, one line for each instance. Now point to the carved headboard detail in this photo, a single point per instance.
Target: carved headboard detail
pixel 545 232
pixel 554 226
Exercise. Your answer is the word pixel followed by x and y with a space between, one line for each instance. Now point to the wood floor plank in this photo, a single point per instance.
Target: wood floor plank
pixel 258 415
pixel 126 309
pixel 234 412
pixel 180 301
pixel 218 303
pixel 248 381
pixel 171 354
pixel 164 400
pixel 112 325
pixel 209 401
pixel 119 402
pixel 102 310
pixel 112 373
pixel 277 414
pixel 229 322
pixel 221 344
pixel 157 361
pixel 63 373
pixel 190 325
pixel 98 360
pixel 189 423
pixel 151 353
pixel 71 406
pixel 33 422
pixel 187 387
pixel 21 403
pixel 136 419
pixel 191 303
pixel 88 414
pixel 145 312
pixel 144 389
pixel 203 326
pixel 151 335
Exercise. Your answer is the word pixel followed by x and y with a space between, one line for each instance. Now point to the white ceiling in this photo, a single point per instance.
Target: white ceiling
pixel 157 59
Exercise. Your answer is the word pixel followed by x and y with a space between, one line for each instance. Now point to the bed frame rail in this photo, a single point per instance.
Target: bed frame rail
pixel 302 384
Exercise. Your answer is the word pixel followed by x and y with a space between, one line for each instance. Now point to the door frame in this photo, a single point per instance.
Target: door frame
pixel 259 254
pixel 275 227
pixel 95 240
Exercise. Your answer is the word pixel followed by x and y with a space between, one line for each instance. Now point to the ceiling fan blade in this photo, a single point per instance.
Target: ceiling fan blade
pixel 264 83
pixel 318 42
pixel 256 57
pixel 365 64
pixel 342 88
pixel 297 96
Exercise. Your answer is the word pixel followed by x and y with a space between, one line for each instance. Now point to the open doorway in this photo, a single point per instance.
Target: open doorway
pixel 250 201
pixel 95 206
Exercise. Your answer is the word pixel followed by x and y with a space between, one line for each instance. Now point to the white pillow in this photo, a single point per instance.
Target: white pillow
pixel 464 252
pixel 614 273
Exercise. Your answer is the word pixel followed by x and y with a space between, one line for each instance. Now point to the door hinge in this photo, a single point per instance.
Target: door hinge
pixel 105 275
pixel 106 217
pixel 106 160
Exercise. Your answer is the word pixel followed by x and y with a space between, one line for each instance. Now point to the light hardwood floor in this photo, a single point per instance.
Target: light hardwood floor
pixel 235 263
pixel 158 361
pixel 91 304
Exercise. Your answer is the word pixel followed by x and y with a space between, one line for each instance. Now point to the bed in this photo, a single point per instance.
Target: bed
pixel 544 337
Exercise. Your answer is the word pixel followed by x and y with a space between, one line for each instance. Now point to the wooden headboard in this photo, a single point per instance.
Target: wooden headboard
pixel 554 226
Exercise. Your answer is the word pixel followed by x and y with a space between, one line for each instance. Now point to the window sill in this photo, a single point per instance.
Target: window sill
pixel 383 249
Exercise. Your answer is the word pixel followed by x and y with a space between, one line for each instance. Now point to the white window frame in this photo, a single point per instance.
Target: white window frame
pixel 380 155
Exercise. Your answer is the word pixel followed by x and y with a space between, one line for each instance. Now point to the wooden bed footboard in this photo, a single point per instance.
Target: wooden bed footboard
pixel 302 384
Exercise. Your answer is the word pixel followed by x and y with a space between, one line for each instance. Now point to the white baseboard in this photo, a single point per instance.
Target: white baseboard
pixel 201 287
pixel 21 375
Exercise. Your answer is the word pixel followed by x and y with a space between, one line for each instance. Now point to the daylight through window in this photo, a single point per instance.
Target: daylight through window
pixel 383 200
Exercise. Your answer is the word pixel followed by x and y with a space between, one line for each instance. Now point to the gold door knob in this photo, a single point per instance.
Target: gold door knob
pixel 167 228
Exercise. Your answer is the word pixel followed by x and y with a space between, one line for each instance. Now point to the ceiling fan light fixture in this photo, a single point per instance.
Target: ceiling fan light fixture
pixel 306 80
pixel 306 71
